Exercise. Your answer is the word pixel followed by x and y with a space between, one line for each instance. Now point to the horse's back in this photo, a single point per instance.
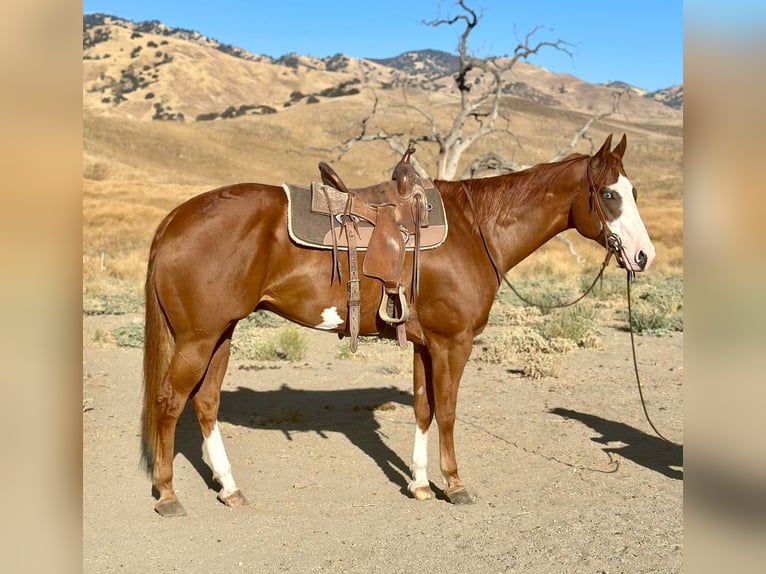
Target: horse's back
pixel 232 205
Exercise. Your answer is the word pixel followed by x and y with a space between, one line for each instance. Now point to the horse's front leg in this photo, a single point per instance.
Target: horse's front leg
pixel 448 361
pixel 423 404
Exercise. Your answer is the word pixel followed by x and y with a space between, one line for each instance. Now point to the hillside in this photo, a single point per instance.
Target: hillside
pixel 148 70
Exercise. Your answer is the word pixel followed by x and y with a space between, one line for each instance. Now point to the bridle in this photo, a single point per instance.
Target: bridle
pixel 612 241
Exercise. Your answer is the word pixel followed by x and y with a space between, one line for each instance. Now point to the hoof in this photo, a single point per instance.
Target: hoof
pixel 422 493
pixel 170 509
pixel 234 499
pixel 458 495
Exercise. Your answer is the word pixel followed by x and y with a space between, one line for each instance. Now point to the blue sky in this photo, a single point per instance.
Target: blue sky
pixel 638 41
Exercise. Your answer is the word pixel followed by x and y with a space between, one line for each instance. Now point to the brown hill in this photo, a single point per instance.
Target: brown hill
pixel 148 70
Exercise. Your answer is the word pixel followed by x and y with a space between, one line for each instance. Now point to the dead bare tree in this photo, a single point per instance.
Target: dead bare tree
pixel 481 84
pixel 483 106
pixel 582 132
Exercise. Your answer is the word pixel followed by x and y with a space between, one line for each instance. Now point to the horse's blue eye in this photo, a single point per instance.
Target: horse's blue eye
pixel 607 195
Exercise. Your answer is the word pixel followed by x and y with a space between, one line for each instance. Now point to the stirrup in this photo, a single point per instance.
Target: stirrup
pixel 383 310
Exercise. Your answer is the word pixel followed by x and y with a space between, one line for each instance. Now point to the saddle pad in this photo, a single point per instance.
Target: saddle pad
pixel 313 229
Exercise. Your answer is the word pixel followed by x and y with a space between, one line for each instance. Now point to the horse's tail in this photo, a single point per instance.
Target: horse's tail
pixel 158 347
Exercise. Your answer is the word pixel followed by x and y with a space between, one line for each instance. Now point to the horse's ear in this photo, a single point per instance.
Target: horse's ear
pixel 606 147
pixel 619 151
pixel 598 159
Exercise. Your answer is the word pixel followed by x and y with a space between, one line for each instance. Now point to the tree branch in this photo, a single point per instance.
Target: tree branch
pixel 581 133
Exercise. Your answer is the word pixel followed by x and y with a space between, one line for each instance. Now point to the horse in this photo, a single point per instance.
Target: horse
pixel 227 252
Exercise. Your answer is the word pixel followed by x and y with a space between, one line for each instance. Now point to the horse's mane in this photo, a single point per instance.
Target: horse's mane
pixel 497 202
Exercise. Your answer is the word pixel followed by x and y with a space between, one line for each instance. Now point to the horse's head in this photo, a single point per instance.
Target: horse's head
pixel 609 208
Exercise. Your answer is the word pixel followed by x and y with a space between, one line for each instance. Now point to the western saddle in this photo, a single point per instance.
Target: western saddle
pixel 397 209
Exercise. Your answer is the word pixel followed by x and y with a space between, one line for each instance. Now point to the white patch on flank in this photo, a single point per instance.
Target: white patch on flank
pixel 330 319
pixel 215 457
pixel 629 225
pixel 419 460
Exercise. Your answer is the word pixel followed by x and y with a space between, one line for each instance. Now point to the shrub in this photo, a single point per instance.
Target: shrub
pixel 522 342
pixel 263 109
pixel 540 366
pixel 289 60
pixel 505 314
pixel 112 298
pixel 538 356
pixel 255 339
pixel 129 335
pixel 658 309
pixel 291 344
pixel 263 319
pixel 576 323
pixel 229 112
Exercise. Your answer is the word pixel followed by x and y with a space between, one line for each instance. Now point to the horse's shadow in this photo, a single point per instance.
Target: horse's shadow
pixel 350 412
pixel 644 449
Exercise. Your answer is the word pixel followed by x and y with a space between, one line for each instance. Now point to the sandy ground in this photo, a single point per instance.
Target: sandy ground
pixel 566 473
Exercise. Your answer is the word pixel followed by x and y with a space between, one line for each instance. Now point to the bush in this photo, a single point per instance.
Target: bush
pixel 522 341
pixel 576 324
pixel 129 335
pixel 541 366
pixel 289 60
pixel 289 344
pixel 658 309
pixel 263 319
pixel 505 314
pixel 230 112
pixel 255 339
pixel 112 298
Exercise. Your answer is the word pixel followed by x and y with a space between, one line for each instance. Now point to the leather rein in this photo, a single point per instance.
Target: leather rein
pixel 614 248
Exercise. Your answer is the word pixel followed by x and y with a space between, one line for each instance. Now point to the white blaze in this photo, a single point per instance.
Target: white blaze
pixel 629 225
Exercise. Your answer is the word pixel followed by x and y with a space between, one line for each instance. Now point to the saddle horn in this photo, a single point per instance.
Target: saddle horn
pixel 405 175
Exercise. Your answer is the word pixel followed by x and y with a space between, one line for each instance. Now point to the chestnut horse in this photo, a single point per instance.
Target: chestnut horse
pixel 225 253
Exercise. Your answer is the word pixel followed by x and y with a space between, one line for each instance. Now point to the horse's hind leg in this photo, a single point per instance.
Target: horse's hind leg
pixel 188 365
pixel 206 401
pixel 423 405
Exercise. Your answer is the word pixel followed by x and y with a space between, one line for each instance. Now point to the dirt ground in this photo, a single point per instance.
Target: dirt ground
pixel 566 473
